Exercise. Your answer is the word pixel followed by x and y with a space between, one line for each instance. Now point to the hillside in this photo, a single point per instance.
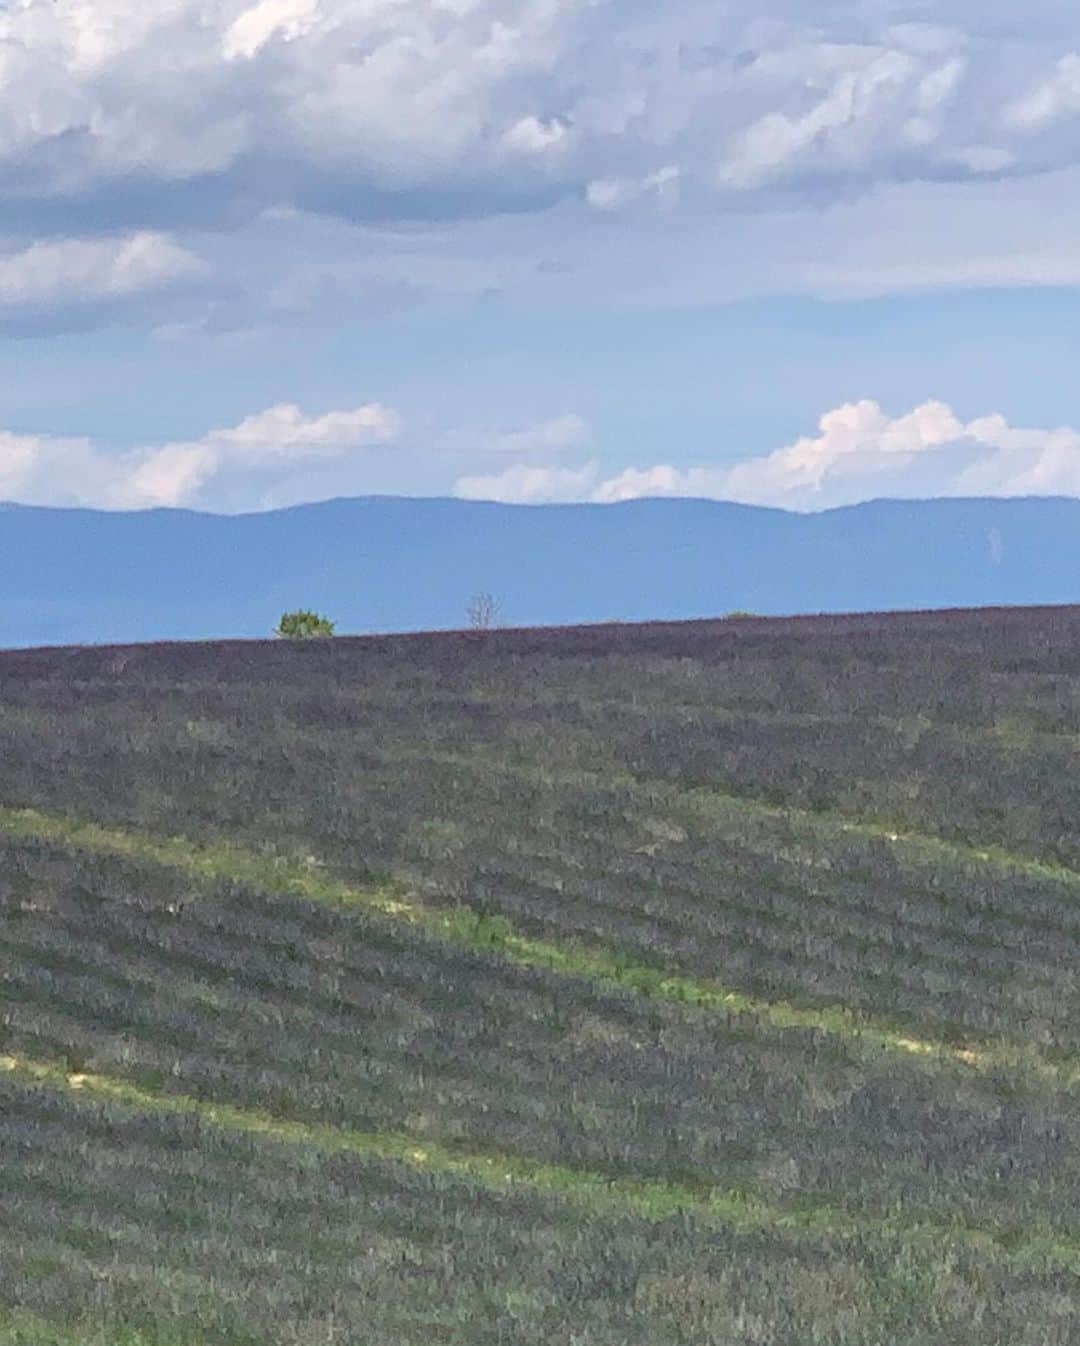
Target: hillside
pixel 705 982
pixel 392 564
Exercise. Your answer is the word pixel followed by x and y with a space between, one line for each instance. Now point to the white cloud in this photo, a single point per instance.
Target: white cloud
pixel 662 187
pixel 533 136
pixel 255 27
pixel 47 470
pixel 345 104
pixel 283 431
pixel 553 436
pixel 168 476
pixel 983 233
pixel 859 453
pixel 597 136
pixel 1058 95
pixel 858 104
pixel 77 271
pixel 635 482
pixel 524 485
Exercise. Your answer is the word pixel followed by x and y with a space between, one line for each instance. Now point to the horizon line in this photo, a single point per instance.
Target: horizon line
pixel 208 512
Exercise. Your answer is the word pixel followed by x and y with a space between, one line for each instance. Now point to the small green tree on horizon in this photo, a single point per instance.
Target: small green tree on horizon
pixel 303 625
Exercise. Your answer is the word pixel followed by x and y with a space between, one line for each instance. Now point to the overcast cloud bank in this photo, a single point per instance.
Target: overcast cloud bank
pixel 541 148
pixel 405 108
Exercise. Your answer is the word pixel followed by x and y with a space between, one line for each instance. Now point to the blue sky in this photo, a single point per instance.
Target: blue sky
pixel 261 252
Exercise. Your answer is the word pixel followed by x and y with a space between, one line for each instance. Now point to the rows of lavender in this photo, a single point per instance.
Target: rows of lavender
pixel 866 812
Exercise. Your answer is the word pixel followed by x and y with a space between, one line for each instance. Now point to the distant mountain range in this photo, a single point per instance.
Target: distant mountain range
pixel 387 563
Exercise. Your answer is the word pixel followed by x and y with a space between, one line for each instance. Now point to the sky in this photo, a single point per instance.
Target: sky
pixel 795 253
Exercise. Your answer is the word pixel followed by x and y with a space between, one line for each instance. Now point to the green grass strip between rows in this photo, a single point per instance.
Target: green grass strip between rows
pixel 30 1329
pixel 649 1199
pixel 209 861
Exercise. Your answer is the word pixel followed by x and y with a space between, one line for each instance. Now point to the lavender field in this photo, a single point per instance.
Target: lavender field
pixel 697 983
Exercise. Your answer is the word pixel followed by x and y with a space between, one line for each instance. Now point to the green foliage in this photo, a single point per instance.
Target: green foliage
pixel 303 625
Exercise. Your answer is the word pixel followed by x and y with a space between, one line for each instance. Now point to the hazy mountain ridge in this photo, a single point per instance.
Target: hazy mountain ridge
pixel 399 563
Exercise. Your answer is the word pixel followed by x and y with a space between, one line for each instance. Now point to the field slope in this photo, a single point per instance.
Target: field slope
pixel 704 983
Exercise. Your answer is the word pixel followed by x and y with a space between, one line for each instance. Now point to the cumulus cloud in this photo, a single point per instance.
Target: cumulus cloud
pixel 49 470
pixel 525 485
pixel 857 96
pixel 551 436
pixel 858 446
pixel 80 271
pixel 284 432
pixel 661 187
pixel 530 481
pixel 507 133
pixel 859 453
pixel 253 28
pixel 532 136
pixel 1056 95
pixel 393 108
